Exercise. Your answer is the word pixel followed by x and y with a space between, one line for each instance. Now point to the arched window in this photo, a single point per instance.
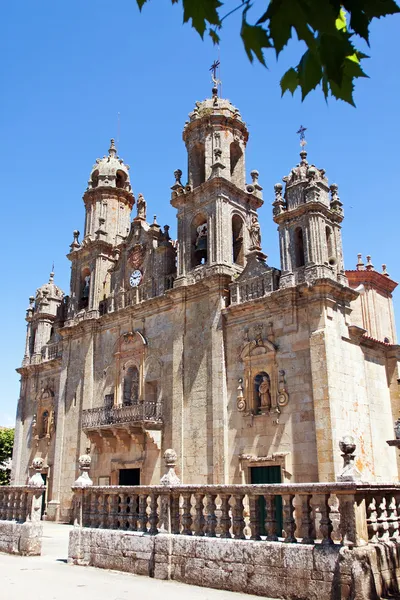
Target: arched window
pixel 237 240
pixel 236 161
pixel 199 236
pixel 131 386
pixel 95 179
pixel 262 392
pixel 329 245
pixel 299 247
pixel 198 164
pixel 85 289
pixel 120 179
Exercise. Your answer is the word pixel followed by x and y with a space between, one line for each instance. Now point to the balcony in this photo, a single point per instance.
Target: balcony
pixel 144 415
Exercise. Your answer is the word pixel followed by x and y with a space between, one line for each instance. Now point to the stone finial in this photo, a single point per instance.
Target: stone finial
pixel 84 465
pixel 254 176
pixel 75 244
pixel 397 429
pixel 369 266
pixel 360 264
pixel 112 151
pixel 349 472
pixel 170 477
pixel 384 271
pixel 303 156
pixel 178 175
pixel 37 480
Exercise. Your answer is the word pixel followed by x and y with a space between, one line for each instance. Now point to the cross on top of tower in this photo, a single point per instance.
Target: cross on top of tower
pixel 216 81
pixel 301 133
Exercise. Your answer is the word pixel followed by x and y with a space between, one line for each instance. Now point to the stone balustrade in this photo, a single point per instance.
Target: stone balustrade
pixel 257 287
pixel 20 503
pixel 141 412
pixel 348 513
pixel 51 351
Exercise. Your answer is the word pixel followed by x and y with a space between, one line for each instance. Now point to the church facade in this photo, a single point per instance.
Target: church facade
pixel 250 373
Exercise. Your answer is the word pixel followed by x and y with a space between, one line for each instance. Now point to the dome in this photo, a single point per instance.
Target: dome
pixel 110 171
pixel 304 172
pixel 49 291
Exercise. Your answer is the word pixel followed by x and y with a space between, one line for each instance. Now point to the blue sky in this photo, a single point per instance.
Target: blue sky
pixel 68 68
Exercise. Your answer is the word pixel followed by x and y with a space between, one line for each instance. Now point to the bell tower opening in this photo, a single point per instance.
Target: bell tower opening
pixel 199 238
pixel 95 179
pixel 237 240
pixel 120 179
pixel 85 289
pixel 236 163
pixel 198 164
pixel 299 247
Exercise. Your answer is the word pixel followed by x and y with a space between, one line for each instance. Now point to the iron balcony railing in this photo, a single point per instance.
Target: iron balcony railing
pixel 114 415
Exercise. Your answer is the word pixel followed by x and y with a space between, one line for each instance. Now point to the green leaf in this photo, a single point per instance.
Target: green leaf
pixel 214 36
pixel 289 81
pixel 255 39
pixel 141 3
pixel 333 50
pixel 309 72
pixel 201 12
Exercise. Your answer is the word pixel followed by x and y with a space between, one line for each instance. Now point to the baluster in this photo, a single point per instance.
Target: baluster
pixel 383 525
pixel 271 524
pixel 199 520
pixel 109 512
pixel 2 505
pixel 393 525
pixel 134 512
pixel 307 525
pixel 175 513
pixel 121 511
pixel 24 506
pixel 85 500
pixel 16 505
pixel 225 521
pixel 142 520
pixel 102 510
pixel 153 518
pixel 9 506
pixel 211 516
pixel 238 523
pixel 372 519
pixel 289 524
pixel 254 516
pixel 397 500
pixel 325 525
pixel 92 511
pixel 186 514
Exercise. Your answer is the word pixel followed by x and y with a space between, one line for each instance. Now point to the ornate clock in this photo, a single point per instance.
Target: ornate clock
pixel 135 278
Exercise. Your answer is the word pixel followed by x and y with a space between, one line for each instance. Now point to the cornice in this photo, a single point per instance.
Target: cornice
pixel 106 192
pixel 317 208
pixel 216 186
pixel 375 280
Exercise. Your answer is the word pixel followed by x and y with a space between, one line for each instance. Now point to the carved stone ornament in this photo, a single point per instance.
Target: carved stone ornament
pixel 240 402
pixel 397 429
pixel 37 480
pixel 84 480
pixel 136 256
pixel 349 472
pixel 170 477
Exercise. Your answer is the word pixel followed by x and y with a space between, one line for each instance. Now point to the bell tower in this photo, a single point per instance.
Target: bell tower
pixel 309 216
pixel 216 208
pixel 108 203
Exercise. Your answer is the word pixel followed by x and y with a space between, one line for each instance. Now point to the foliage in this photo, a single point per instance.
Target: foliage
pixel 6 448
pixel 327 28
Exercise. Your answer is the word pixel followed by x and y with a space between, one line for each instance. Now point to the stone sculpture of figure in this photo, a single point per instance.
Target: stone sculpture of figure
pixel 86 287
pixel 201 235
pixel 264 392
pixel 141 207
pixel 255 234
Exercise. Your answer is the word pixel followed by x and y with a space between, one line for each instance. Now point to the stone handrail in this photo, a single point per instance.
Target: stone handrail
pixel 21 503
pixel 142 411
pixel 348 513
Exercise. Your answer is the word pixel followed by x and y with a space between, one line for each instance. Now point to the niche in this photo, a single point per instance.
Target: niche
pixel 120 179
pixel 237 240
pixel 95 179
pixel 85 289
pixel 262 392
pixel 329 245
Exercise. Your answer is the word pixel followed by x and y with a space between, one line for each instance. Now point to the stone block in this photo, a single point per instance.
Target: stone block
pixel 325 558
pixel 263 553
pixel 220 549
pixel 265 584
pixel 296 556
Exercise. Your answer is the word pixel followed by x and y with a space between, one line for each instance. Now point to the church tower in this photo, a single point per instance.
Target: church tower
pixel 216 208
pixel 108 203
pixel 309 215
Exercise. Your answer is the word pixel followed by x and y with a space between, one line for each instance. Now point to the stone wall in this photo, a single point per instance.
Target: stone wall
pixel 273 569
pixel 21 538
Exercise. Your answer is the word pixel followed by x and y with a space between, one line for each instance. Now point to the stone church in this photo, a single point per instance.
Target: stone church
pixel 252 373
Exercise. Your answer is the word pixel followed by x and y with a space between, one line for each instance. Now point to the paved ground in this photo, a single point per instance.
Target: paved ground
pixel 49 577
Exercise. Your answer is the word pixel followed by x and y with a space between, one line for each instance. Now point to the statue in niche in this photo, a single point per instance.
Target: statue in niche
pixel 255 234
pixel 86 287
pixel 45 423
pixel 141 207
pixel 264 391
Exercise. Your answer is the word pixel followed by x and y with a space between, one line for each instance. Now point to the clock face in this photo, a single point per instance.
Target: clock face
pixel 135 278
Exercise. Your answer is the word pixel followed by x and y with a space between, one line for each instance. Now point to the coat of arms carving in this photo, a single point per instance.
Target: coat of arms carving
pixel 136 256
